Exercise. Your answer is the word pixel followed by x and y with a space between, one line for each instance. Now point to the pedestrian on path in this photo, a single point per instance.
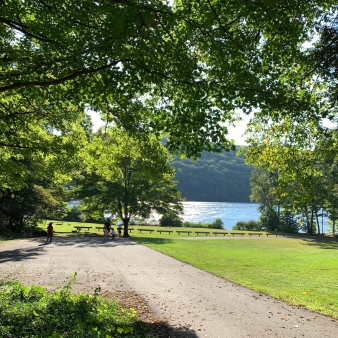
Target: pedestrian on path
pixel 106 230
pixel 113 234
pixel 50 232
pixel 119 230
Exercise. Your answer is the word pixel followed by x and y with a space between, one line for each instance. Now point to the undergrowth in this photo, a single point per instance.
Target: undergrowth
pixel 33 312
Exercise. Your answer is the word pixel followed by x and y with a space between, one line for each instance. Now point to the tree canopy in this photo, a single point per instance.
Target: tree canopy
pixel 179 69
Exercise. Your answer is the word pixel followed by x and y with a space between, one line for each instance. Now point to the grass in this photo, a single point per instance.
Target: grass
pixel 300 272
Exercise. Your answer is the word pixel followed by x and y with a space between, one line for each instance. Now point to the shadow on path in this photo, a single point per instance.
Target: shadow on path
pixel 39 247
pixel 18 255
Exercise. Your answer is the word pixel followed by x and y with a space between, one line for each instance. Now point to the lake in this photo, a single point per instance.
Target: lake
pixel 229 213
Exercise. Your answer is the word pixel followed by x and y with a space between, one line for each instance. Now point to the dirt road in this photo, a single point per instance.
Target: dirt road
pixel 196 303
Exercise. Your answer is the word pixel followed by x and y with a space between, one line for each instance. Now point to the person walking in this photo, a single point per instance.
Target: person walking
pixel 113 234
pixel 106 229
pixel 50 231
pixel 119 230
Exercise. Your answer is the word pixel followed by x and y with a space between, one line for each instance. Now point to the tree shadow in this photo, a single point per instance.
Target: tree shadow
pixel 18 255
pixel 22 254
pixel 322 242
pixel 152 240
pixel 80 242
pixel 163 329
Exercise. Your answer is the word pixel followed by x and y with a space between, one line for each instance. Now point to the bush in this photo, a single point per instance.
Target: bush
pixel 249 225
pixel 166 221
pixel 269 220
pixel 32 312
pixel 216 224
pixel 288 222
pixel 194 225
pixel 74 215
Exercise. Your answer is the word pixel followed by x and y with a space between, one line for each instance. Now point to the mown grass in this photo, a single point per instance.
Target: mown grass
pixel 300 272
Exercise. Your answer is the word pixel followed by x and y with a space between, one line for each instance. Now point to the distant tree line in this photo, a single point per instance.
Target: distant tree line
pixel 214 177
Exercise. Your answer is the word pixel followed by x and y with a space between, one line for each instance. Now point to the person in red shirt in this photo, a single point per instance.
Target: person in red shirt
pixel 49 232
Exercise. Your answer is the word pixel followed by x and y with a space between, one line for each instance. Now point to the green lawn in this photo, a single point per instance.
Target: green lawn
pixel 300 272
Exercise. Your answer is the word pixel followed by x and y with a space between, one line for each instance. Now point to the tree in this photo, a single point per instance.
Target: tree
pixel 38 139
pixel 151 66
pixel 300 151
pixel 129 177
pixel 40 199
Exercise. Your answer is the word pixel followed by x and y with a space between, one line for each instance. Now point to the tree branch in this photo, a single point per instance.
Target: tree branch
pixel 21 29
pixel 60 80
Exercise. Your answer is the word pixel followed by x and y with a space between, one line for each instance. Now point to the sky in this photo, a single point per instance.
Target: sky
pixel 235 133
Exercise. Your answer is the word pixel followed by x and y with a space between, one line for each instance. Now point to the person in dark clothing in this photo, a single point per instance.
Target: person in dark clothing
pixel 50 231
pixel 106 229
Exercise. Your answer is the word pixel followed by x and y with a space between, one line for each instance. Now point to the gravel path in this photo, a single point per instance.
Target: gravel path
pixel 194 302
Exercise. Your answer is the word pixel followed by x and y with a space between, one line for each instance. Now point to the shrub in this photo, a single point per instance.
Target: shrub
pixel 74 215
pixel 216 224
pixel 32 312
pixel 249 225
pixel 166 221
pixel 194 225
pixel 288 222
pixel 269 219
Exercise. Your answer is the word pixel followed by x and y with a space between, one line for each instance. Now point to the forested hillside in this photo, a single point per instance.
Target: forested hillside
pixel 214 178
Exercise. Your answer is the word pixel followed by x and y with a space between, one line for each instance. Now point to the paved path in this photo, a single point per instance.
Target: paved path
pixel 197 303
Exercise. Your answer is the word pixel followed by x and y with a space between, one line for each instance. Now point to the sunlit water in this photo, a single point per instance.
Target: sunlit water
pixel 229 213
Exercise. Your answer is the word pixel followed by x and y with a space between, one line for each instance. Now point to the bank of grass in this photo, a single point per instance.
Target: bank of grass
pixel 300 272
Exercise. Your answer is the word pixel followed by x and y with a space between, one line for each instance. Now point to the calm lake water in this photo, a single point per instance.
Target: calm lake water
pixel 229 213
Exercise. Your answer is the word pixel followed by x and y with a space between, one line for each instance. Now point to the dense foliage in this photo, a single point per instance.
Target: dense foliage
pixel 216 224
pixel 213 177
pixel 32 312
pixel 166 221
pixel 26 207
pixel 296 166
pixel 151 66
pixel 129 177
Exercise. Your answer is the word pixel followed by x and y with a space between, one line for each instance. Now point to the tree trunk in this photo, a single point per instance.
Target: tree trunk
pixel 125 227
pixel 318 225
pixel 333 226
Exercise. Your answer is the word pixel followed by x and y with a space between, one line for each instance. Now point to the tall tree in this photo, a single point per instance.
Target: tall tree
pixel 300 152
pixel 129 177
